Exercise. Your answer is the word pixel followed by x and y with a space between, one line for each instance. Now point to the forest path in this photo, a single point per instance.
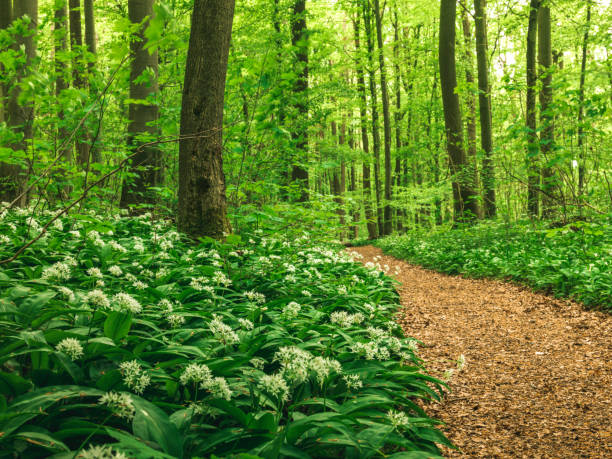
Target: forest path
pixel 537 381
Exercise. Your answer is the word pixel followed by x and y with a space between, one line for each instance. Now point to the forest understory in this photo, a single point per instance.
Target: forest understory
pixel 537 371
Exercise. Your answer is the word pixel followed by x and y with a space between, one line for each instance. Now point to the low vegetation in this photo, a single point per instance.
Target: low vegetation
pixel 572 261
pixel 121 340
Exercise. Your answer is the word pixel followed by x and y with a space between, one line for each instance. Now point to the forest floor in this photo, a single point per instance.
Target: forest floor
pixel 537 380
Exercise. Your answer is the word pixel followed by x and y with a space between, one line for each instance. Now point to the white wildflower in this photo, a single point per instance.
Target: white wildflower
pixel 257 362
pixel 221 279
pixel 66 293
pixel 95 272
pixel 101 452
pixel 115 270
pixel 196 373
pixel 134 376
pixel 292 310
pixel 57 271
pixel 294 363
pixel 71 347
pixel 222 331
pixel 97 298
pixel 255 297
pixel 139 285
pixel 275 385
pixel 397 418
pixel 175 320
pixel 246 324
pixel 322 367
pixel 119 404
pixel 124 302
pixel 353 382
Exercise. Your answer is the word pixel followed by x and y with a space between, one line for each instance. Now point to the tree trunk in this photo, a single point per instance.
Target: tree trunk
pixel 78 72
pixel 581 150
pixel 533 147
pixel 484 102
pixel 90 32
pixel 388 223
pixel 202 209
pixel 299 40
pixel 6 16
pixel 61 83
pixel 470 117
pixel 397 118
pixel 371 224
pixel 547 132
pixel 143 116
pixel 19 114
pixel 464 198
pixel 375 122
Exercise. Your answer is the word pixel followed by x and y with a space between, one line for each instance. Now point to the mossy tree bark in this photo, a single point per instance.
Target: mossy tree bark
pixel 533 147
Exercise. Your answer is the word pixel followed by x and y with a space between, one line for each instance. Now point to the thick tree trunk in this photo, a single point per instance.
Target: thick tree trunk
pixel 470 118
pixel 202 209
pixel 78 73
pixel 547 132
pixel 299 40
pixel 484 102
pixel 581 149
pixel 19 114
pixel 367 19
pixel 533 146
pixel 464 198
pixel 371 224
pixel 146 164
pixel 388 223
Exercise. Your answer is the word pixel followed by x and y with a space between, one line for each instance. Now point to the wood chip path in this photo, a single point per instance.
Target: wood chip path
pixel 537 380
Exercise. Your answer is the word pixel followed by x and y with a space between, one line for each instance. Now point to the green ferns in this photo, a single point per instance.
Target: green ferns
pixel 573 261
pixel 121 340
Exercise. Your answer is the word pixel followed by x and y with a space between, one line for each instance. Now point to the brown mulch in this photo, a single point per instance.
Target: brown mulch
pixel 537 382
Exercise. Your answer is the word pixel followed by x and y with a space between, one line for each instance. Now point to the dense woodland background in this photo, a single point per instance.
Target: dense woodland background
pixel 340 103
pixel 179 180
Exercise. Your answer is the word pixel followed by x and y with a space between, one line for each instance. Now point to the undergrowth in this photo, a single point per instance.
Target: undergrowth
pixel 120 339
pixel 573 261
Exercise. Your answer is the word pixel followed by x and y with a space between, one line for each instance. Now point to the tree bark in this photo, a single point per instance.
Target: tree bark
pixel 202 209
pixel 61 83
pixel 388 223
pixel 397 118
pixel 90 32
pixel 367 19
pixel 146 165
pixel 533 147
pixel 547 132
pixel 78 73
pixel 470 117
pixel 484 102
pixel 299 40
pixel 367 194
pixel 464 198
pixel 581 150
pixel 19 114
pixel 6 16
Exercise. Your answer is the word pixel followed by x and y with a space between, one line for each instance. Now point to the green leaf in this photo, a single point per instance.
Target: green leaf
pixel 117 325
pixel 152 424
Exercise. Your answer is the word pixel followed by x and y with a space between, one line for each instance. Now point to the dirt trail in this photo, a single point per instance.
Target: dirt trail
pixel 537 381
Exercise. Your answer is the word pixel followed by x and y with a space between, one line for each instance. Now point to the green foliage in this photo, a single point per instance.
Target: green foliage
pixel 569 261
pixel 118 336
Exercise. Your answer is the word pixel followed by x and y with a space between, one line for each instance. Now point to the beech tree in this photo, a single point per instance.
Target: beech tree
pixel 146 165
pixel 19 114
pixel 202 207
pixel 533 147
pixel 465 200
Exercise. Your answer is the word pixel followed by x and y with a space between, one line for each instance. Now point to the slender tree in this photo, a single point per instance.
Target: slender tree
pixel 19 113
pixel 6 16
pixel 202 207
pixel 299 40
pixel 378 13
pixel 464 197
pixel 78 72
pixel 367 20
pixel 397 116
pixel 484 102
pixel 61 83
pixel 90 32
pixel 547 132
pixel 533 148
pixel 365 144
pixel 581 152
pixel 146 165
pixel 470 97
